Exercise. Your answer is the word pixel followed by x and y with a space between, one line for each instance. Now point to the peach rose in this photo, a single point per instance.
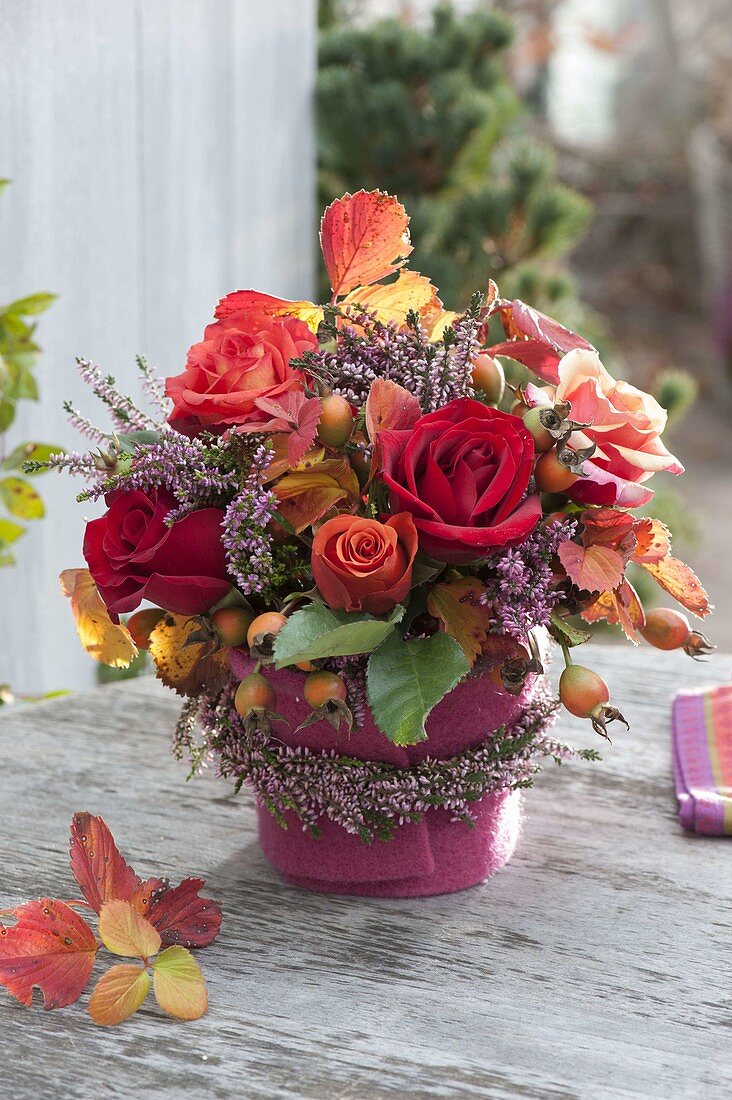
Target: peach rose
pixel 626 426
pixel 363 565
pixel 240 360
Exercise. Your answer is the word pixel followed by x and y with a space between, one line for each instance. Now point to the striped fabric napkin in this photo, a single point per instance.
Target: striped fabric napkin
pixel 702 757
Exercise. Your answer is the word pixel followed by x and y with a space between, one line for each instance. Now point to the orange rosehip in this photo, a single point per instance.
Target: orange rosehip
pixel 581 690
pixel 336 421
pixel 255 695
pixel 543 441
pixel 266 625
pixel 551 476
pixel 666 628
pixel 488 377
pixel 231 625
pixel 324 687
pixel 142 624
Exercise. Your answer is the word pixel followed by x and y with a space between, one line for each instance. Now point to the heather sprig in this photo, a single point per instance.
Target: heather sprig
pixel 522 591
pixel 246 540
pixel 127 417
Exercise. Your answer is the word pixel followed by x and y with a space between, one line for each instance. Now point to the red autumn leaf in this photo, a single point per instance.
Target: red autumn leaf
pixel 293 414
pixel 182 917
pixel 364 237
pixel 389 405
pixel 540 341
pixel 254 301
pixel 592 568
pixel 622 607
pixel 653 541
pixel 50 947
pixel 609 527
pixel 537 357
pixel 96 863
pixel 681 582
pixel 177 912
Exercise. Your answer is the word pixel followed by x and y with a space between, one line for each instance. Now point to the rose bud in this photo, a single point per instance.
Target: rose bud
pixel 363 565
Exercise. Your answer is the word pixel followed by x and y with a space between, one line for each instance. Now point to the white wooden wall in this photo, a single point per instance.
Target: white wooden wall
pixel 161 153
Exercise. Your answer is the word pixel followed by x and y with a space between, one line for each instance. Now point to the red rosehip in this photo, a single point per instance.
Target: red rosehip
pixel 551 476
pixel 268 624
pixel 324 687
pixel 231 625
pixel 543 441
pixel 666 628
pixel 142 624
pixel 255 695
pixel 488 377
pixel 336 421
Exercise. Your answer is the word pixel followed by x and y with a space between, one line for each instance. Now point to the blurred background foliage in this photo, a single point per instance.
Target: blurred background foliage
pixel 429 113
pixel 19 499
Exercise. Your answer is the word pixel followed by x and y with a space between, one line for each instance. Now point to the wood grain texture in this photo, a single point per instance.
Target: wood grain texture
pixel 596 965
pixel 161 153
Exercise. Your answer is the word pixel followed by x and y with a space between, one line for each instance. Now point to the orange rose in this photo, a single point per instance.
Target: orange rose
pixel 240 360
pixel 363 565
pixel 625 424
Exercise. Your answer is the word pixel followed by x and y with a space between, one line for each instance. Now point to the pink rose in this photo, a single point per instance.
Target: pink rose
pixel 626 426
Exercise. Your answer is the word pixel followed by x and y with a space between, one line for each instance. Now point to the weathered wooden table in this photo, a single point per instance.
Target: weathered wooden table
pixel 597 964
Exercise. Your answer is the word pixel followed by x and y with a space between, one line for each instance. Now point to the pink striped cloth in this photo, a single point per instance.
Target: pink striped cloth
pixel 702 757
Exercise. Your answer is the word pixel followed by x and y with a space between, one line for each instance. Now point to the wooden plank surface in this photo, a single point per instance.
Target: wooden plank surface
pixel 596 965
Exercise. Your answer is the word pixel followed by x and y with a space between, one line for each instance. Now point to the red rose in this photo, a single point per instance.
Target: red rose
pixel 363 565
pixel 462 473
pixel 133 556
pixel 242 358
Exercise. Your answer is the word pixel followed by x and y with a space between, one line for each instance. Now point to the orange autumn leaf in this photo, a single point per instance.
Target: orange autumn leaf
pixel 681 582
pixel 50 947
pixel 364 237
pixel 245 301
pixel 186 667
pixel 592 568
pixel 653 541
pixel 306 495
pixel 179 985
pixel 392 302
pixel 105 641
pixel 622 607
pixel 457 605
pixel 118 994
pixel 390 406
pixel 124 931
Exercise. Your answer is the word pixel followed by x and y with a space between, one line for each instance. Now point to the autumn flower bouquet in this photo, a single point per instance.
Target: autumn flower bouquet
pixel 357 550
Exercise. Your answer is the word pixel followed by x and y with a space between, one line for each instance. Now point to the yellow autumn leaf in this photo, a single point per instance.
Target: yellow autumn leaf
pixel 124 931
pixel 180 988
pixel 186 667
pixel 392 301
pixel 118 994
pixel 105 641
pixel 305 495
pixel 457 605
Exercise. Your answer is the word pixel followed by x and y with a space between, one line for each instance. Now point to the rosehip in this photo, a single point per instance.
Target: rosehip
pixel 255 695
pixel 261 634
pixel 142 624
pixel 543 441
pixel 488 377
pixel 324 687
pixel 551 476
pixel 581 690
pixel 336 421
pixel 585 694
pixel 667 628
pixel 231 624
pixel 519 409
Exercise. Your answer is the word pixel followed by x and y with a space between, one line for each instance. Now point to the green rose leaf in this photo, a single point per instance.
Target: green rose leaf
pixel 406 679
pixel 21 499
pixel 564 631
pixel 318 631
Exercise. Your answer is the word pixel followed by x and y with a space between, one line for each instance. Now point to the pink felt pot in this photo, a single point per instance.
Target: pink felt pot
pixel 437 855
